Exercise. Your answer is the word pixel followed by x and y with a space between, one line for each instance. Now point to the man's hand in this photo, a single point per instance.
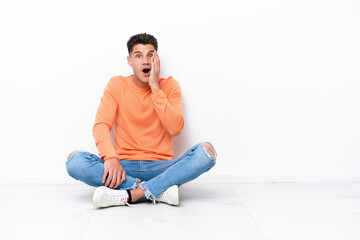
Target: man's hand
pixel 114 172
pixel 155 72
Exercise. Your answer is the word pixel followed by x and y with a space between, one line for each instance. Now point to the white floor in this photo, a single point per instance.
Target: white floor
pixel 207 211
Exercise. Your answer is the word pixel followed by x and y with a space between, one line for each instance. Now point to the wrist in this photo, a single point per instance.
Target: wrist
pixel 111 159
pixel 154 89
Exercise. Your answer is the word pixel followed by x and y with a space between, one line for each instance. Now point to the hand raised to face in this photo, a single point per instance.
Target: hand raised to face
pixel 155 72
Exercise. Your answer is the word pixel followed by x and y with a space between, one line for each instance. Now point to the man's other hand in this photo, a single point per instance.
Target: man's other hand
pixel 114 172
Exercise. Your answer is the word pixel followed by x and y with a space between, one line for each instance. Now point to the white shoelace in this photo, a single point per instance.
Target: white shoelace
pixel 164 195
pixel 115 198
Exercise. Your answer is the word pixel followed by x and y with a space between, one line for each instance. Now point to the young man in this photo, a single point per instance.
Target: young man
pixel 146 112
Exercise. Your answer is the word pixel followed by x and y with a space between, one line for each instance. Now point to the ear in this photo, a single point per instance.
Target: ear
pixel 129 61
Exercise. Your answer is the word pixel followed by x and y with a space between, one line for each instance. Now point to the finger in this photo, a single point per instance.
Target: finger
pixel 156 61
pixel 113 181
pixel 154 58
pixel 109 177
pixel 156 54
pixel 106 171
pixel 118 179
pixel 123 176
pixel 153 64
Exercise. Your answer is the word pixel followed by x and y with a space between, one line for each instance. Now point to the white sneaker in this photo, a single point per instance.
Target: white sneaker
pixel 106 197
pixel 170 196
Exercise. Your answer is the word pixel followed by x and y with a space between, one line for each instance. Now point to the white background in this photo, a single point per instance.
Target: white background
pixel 274 85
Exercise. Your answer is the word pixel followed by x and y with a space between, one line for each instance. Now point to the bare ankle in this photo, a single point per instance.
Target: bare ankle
pixel 137 193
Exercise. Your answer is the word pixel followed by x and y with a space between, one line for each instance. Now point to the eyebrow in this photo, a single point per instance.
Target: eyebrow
pixel 142 52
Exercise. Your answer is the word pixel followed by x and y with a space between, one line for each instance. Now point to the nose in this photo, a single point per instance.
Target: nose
pixel 146 60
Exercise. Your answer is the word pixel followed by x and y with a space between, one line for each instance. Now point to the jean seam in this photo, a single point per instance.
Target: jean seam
pixel 131 169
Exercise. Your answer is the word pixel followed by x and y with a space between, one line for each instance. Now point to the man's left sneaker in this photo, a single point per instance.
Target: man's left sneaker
pixel 170 196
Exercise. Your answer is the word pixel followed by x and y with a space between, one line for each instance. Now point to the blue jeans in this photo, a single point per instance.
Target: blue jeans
pixel 155 176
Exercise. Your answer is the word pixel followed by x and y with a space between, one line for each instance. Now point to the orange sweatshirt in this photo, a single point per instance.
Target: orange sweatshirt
pixel 144 122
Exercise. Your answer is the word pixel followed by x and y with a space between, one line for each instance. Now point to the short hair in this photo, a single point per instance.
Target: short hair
pixel 141 38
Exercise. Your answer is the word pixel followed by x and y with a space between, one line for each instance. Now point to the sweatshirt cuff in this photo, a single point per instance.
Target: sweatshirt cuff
pixel 157 94
pixel 110 157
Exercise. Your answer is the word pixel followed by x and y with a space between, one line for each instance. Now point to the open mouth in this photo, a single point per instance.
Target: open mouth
pixel 146 70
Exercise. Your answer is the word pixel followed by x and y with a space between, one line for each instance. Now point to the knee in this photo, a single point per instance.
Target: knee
pixel 72 153
pixel 209 150
pixel 206 163
pixel 73 163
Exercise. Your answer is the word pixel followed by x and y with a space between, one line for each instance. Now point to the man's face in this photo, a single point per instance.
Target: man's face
pixel 140 61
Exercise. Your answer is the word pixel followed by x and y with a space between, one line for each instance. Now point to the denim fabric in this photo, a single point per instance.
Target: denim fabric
pixel 155 176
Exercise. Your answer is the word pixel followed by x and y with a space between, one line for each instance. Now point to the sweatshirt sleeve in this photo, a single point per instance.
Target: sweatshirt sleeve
pixel 104 120
pixel 169 108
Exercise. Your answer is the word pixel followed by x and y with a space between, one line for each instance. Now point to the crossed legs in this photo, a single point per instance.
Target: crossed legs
pixel 192 164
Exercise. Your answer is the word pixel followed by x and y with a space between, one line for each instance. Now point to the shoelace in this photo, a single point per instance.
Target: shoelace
pixel 162 197
pixel 116 198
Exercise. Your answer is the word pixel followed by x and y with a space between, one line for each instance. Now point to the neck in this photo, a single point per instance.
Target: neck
pixel 140 83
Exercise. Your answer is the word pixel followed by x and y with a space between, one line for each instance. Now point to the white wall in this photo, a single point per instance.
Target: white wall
pixel 274 85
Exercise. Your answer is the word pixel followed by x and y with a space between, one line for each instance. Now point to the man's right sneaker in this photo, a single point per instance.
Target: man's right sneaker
pixel 170 196
pixel 106 197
